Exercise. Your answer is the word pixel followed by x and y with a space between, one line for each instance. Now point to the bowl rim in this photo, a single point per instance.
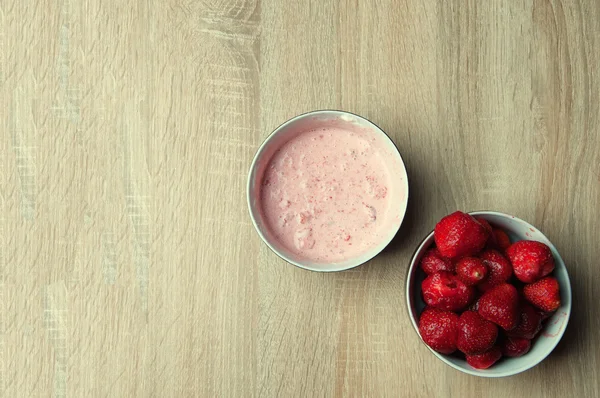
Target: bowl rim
pixel 260 150
pixel 474 372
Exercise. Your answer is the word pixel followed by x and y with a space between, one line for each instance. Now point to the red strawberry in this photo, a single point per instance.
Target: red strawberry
pixel 475 334
pixel 544 294
pixel 459 234
pixel 485 360
pixel 530 323
pixel 438 329
pixel 491 242
pixel 433 262
pixel 531 260
pixel 484 222
pixel 502 239
pixel 446 291
pixel 515 347
pixel 501 306
pixel 471 270
pixel 499 269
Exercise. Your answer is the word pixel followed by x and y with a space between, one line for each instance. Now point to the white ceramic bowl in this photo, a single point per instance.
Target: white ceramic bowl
pixel 311 121
pixel 555 326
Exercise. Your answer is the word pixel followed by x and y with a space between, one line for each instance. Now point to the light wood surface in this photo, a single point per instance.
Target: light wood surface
pixel 129 266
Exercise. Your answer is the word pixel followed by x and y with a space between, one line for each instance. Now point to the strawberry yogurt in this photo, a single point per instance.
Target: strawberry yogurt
pixel 333 193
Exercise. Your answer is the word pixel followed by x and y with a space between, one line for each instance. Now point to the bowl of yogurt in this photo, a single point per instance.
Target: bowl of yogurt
pixel 327 190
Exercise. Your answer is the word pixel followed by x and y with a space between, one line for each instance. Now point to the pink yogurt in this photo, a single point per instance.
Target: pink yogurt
pixel 330 194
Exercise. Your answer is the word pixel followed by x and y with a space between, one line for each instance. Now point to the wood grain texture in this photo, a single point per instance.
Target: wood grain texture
pixel 128 263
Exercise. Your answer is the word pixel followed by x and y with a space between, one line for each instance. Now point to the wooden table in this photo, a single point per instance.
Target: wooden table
pixel 129 266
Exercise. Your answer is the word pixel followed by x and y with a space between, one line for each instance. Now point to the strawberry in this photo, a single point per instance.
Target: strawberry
pixel 459 234
pixel 433 262
pixel 485 360
pixel 491 241
pixel 471 270
pixel 438 329
pixel 531 260
pixel 499 269
pixel 515 346
pixel 530 323
pixel 544 294
pixel 484 222
pixel 502 239
pixel 501 306
pixel 475 334
pixel 446 291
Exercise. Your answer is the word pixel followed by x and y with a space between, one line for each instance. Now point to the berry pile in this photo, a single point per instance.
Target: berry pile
pixel 485 297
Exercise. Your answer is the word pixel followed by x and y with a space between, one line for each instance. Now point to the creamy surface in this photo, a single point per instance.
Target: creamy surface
pixel 325 194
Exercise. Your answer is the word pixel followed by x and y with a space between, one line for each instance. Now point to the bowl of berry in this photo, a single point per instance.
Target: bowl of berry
pixel 488 293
